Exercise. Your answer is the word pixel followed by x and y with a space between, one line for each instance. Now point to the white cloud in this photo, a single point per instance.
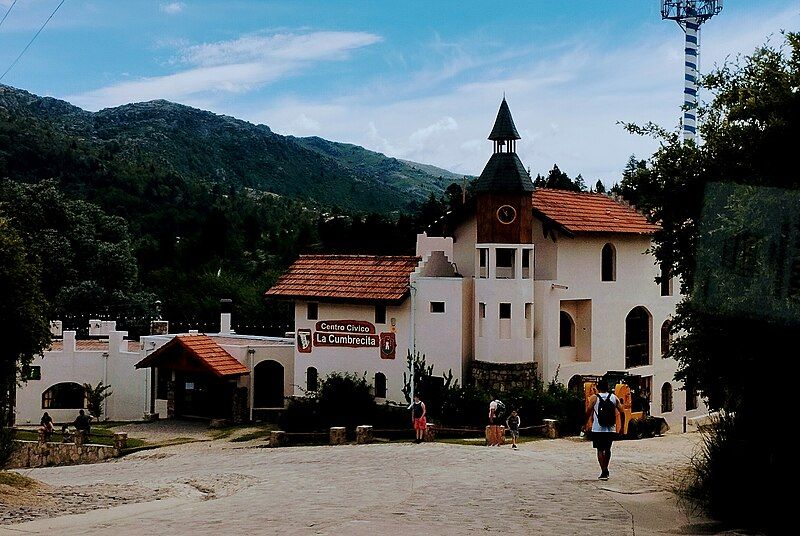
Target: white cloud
pixel 566 103
pixel 236 66
pixel 172 8
pixel 279 47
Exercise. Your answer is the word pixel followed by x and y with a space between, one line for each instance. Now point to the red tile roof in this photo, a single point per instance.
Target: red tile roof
pixel 89 345
pixel 368 278
pixel 204 350
pixel 582 212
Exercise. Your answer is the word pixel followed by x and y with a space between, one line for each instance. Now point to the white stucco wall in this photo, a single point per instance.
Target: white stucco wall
pixel 114 367
pixel 579 265
pixel 357 360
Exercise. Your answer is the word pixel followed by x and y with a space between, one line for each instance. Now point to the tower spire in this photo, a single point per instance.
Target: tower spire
pixel 504 133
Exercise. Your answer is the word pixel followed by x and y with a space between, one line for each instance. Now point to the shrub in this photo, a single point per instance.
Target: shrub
pixel 343 399
pixel 734 474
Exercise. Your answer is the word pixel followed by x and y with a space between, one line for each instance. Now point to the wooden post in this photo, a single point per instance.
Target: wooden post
pixel 363 434
pixel 430 432
pixel 120 440
pixel 550 428
pixel 338 436
pixel 277 438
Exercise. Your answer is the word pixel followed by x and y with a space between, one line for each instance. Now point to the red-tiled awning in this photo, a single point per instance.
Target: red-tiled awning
pixel 366 278
pixel 582 212
pixel 203 352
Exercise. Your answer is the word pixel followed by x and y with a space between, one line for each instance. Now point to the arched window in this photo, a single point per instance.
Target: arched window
pixel 380 385
pixel 67 395
pixel 666 338
pixel 637 337
pixel 312 382
pixel 609 263
pixel 666 398
pixel 566 329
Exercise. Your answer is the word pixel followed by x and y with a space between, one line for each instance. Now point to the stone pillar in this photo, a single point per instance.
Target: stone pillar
pixel 430 432
pixel 80 437
pixel 120 440
pixel 338 436
pixel 277 438
pixel 364 434
pixel 550 428
pixel 42 436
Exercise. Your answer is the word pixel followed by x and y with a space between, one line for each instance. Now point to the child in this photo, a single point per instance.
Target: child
pixel 513 423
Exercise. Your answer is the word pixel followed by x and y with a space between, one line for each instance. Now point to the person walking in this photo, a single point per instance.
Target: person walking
pixel 418 412
pixel 602 409
pixel 513 423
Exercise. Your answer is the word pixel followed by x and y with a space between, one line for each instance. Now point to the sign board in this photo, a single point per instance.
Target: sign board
pixel 346 334
pixel 347 340
pixel 388 345
pixel 304 341
pixel 345 326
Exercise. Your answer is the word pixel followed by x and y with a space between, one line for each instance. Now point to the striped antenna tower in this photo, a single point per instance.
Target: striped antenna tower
pixel 690 14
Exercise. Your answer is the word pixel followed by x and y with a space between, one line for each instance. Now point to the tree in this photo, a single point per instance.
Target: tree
pixel 559 180
pixel 599 187
pixel 24 328
pixel 750 131
pixel 95 396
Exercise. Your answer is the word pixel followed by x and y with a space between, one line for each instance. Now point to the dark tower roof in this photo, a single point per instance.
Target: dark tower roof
pixel 504 128
pixel 504 172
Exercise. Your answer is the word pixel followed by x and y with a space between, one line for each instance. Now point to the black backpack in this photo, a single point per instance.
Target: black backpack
pixel 606 411
pixel 500 411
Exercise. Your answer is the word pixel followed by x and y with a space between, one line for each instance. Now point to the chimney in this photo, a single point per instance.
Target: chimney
pixel 225 306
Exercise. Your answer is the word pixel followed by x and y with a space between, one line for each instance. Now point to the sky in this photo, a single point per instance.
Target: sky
pixel 418 80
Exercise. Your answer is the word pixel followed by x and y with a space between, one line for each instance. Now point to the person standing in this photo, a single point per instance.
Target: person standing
pixel 513 423
pixel 496 411
pixel 418 412
pixel 602 409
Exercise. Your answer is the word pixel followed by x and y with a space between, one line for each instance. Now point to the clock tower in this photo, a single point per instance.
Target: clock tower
pixel 504 267
pixel 504 189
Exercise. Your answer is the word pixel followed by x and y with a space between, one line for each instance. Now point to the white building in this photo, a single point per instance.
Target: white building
pixel 223 375
pixel 54 380
pixel 520 282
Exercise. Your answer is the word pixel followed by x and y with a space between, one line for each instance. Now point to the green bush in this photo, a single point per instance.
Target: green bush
pixel 734 476
pixel 343 399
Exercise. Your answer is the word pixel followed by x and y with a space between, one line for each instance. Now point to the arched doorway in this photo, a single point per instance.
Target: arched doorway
pixel 575 384
pixel 268 385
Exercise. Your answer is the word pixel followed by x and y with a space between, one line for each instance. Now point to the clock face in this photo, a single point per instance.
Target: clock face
pixel 506 214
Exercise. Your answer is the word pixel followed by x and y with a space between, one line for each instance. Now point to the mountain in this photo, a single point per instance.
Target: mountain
pixel 200 146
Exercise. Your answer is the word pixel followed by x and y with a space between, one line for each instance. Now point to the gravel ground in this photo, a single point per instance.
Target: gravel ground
pixel 202 488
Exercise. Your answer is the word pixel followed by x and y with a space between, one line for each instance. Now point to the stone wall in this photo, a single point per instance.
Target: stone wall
pixel 35 454
pixel 502 377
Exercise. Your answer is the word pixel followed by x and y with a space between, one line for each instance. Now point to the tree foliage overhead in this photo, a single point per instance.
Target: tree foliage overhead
pixel 750 131
pixel 24 328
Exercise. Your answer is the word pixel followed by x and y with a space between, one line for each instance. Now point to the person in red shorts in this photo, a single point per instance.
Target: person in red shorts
pixel 418 418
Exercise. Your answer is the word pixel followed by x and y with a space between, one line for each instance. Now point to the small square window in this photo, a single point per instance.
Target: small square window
pixel 437 306
pixel 380 314
pixel 505 310
pixel 312 312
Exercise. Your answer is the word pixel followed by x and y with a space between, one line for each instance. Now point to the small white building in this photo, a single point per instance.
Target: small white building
pixel 223 375
pixel 522 282
pixel 54 381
